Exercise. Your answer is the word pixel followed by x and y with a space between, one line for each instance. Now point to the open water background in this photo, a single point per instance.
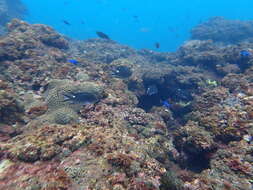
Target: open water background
pixel 137 23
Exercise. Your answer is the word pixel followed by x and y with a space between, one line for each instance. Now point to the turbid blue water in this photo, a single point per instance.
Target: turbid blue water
pixel 137 23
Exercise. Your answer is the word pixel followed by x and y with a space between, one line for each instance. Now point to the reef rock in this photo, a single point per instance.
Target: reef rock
pixel 11 108
pixel 123 119
pixel 220 29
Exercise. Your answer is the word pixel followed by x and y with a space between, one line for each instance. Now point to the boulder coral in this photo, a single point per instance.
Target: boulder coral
pixel 64 99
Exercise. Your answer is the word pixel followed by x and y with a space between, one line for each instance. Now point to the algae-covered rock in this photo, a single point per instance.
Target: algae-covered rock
pixel 222 30
pixel 82 76
pixel 171 181
pixel 11 108
pixel 5 164
pixel 44 143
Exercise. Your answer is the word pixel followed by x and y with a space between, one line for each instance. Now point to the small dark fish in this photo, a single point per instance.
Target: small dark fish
pixel 157 45
pixel 121 72
pixel 79 98
pixel 136 18
pixel 102 35
pixel 152 90
pixel 73 61
pixel 245 54
pixel 66 22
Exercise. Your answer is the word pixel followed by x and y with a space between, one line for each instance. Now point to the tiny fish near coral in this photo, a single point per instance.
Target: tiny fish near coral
pixel 66 22
pixel 102 35
pixel 245 53
pixel 81 97
pixel 157 45
pixel 152 90
pixel 73 61
pixel 166 104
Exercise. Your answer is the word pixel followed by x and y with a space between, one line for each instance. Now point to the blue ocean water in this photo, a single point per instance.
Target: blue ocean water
pixel 137 23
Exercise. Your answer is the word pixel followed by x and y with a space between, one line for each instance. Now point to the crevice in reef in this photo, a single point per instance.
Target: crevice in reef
pixel 197 163
pixel 194 161
pixel 179 100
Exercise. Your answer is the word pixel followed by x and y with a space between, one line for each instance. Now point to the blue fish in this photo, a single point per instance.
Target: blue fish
pixel 166 104
pixel 73 61
pixel 245 53
pixel 152 90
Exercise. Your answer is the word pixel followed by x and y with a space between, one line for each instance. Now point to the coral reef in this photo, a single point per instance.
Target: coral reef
pixel 11 109
pixel 123 119
pixel 220 29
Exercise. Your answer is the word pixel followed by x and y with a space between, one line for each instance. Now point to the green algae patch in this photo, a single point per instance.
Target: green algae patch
pixel 4 164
